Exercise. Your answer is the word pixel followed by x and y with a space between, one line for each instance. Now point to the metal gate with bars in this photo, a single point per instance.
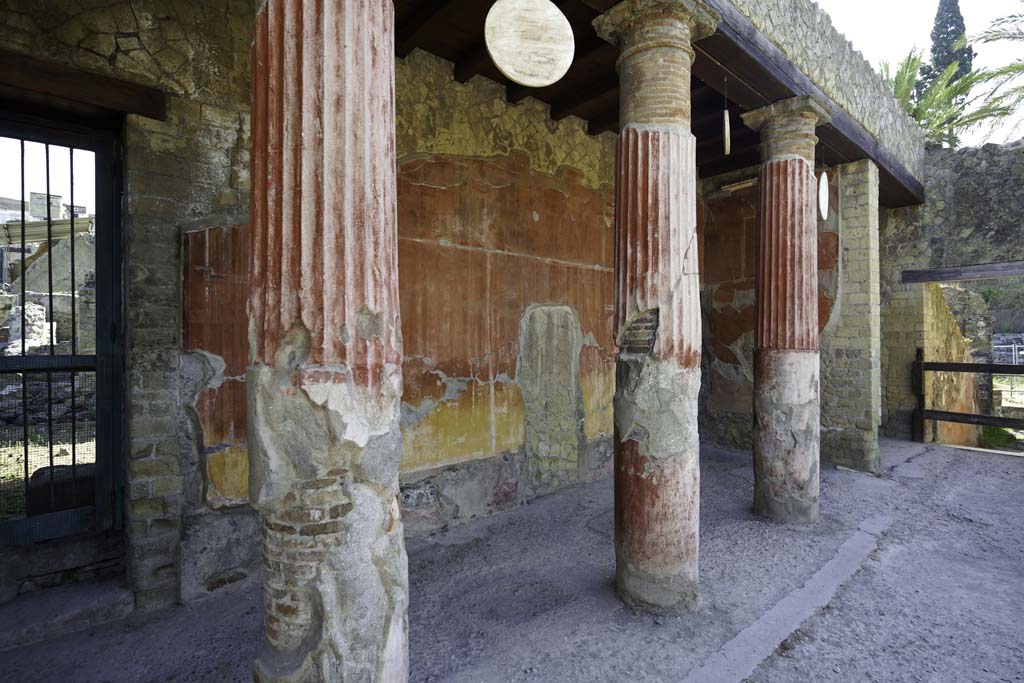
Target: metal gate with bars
pixel 61 367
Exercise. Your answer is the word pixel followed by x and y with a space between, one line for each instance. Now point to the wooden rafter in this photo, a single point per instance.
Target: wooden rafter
pixel 984 271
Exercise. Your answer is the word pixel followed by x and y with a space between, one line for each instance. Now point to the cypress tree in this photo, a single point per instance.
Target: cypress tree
pixel 949 29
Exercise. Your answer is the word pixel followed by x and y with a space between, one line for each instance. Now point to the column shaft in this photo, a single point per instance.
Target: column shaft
pixel 657 306
pixel 325 381
pixel 786 358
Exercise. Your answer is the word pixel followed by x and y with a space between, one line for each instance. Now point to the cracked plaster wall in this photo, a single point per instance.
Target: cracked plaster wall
pixel 188 168
pixel 500 209
pixel 213 364
pixel 727 227
pixel 480 242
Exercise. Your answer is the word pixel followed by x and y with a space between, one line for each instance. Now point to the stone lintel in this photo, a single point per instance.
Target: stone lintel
pixel 805 106
pixel 627 17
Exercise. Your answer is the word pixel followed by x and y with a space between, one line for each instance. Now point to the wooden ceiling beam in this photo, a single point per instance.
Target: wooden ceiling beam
pixel 23 73
pixel 472 63
pixel 600 5
pixel 574 103
pixel 604 123
pixel 409 30
pixel 719 164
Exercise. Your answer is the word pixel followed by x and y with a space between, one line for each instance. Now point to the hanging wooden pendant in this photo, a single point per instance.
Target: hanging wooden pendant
pixel 727 132
pixel 530 41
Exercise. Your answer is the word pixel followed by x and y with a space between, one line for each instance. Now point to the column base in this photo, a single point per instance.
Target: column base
pixel 654 593
pixel 657 485
pixel 787 433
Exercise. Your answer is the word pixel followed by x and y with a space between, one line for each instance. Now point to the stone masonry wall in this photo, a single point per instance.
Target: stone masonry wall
pixel 972 216
pixel 193 166
pixel 851 400
pixel 947 391
pixel 804 32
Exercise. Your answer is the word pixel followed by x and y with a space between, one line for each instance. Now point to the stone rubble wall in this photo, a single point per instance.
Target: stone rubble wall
pixel 972 216
pixel 805 33
pixel 190 167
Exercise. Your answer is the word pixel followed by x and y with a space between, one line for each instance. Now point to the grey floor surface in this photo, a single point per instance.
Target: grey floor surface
pixel 914 576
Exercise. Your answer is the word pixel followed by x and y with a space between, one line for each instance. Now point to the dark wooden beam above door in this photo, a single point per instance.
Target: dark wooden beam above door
pixel 20 73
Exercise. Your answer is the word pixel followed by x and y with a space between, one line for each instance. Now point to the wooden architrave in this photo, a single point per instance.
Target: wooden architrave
pixel 21 73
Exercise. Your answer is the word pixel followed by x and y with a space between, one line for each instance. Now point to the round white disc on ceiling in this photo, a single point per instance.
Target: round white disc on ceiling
pixel 823 199
pixel 530 41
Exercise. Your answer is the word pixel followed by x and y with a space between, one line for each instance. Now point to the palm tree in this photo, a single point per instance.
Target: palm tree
pixel 948 105
pixel 1006 84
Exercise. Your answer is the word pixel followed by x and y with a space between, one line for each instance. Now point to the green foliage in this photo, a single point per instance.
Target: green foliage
pixel 999 439
pixel 949 105
pixel 948 44
pixel 1006 84
pixel 948 97
pixel 1008 297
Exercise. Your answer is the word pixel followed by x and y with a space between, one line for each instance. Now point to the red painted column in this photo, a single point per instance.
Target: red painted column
pixel 786 358
pixel 657 305
pixel 325 381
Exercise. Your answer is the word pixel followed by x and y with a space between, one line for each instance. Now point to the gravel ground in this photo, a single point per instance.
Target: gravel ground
pixel 942 599
pixel 528 595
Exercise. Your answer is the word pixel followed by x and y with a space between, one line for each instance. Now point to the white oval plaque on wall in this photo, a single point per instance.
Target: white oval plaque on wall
pixel 530 41
pixel 823 200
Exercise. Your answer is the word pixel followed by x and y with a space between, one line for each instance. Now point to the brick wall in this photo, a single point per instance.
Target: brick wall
pixel 848 304
pixel 851 398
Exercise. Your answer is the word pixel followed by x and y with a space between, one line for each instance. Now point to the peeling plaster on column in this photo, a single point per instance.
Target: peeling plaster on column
pixel 325 380
pixel 654 407
pixel 787 421
pixel 786 411
pixel 657 304
pixel 366 413
pixel 334 557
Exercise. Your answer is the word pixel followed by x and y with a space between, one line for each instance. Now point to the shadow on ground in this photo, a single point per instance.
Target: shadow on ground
pixel 529 596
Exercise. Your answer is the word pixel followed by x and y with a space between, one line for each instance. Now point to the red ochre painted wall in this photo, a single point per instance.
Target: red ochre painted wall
pixel 480 240
pixel 728 224
pixel 214 289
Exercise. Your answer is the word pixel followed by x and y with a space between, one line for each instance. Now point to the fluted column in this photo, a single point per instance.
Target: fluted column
pixel 786 357
pixel 325 379
pixel 657 304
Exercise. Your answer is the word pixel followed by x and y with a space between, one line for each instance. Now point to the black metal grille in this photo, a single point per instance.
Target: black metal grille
pixel 57 447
